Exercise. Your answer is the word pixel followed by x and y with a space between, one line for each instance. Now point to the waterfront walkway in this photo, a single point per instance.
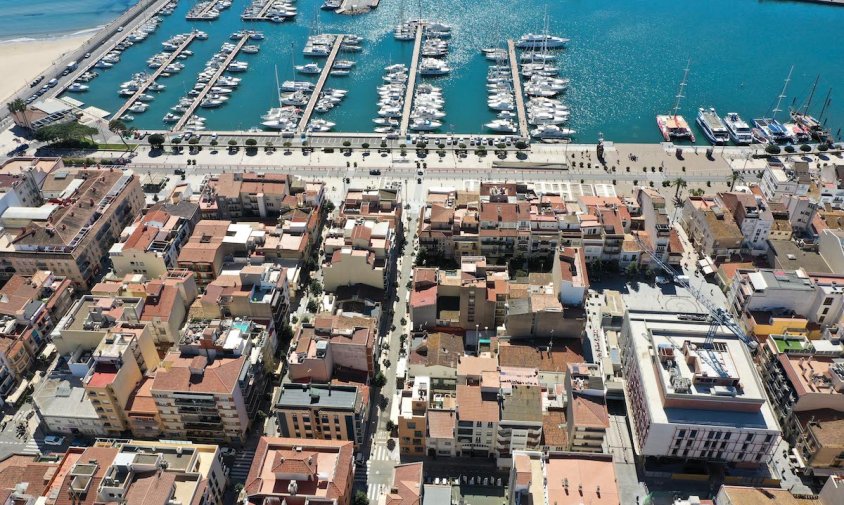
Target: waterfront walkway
pixel 411 80
pixel 326 70
pixel 143 88
pixel 517 88
pixel 213 82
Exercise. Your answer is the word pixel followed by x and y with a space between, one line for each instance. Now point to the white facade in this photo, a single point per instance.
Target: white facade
pixel 831 249
pixel 776 184
pixel 702 405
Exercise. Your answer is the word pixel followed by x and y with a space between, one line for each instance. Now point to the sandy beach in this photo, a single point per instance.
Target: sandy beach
pixel 21 62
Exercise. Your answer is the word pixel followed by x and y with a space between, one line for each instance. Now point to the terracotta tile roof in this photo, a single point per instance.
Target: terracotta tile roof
pixel 423 297
pixel 555 429
pixel 19 468
pixel 407 485
pixel 441 423
pixel 589 412
pixel 527 356
pixel 474 366
pixel 153 489
pixel 473 406
pixel 220 376
pixel 439 349
pixel 104 456
pixel 290 461
pixel 141 400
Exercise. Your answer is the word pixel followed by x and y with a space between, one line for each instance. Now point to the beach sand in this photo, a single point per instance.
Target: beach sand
pixel 21 62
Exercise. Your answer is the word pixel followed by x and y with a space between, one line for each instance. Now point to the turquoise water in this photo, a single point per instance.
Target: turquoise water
pixel 33 19
pixel 625 60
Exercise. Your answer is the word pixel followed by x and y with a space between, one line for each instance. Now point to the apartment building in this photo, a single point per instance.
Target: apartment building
pixel 436 357
pixel 779 182
pixel 655 221
pixel 20 181
pixel 129 471
pixel 586 409
pixel 214 243
pixel 413 410
pixel 753 218
pixel 563 479
pixel 236 195
pixel 571 279
pixel 30 306
pixel 805 383
pixel 519 423
pixel 260 292
pixel 72 234
pixel 759 294
pixel 334 344
pixel 322 411
pixel 166 300
pixel 150 246
pixel 711 227
pixel 359 253
pixel 407 486
pixel 671 369
pixel 300 471
pixel 781 228
pixel 473 297
pixel 142 417
pixel 379 205
pixel 477 421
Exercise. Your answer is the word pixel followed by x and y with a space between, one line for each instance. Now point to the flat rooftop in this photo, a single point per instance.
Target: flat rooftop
pixel 317 396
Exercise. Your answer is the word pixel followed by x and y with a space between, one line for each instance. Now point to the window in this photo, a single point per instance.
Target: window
pixel 681 433
pixel 693 433
pixel 769 438
pixel 749 437
pixel 827 300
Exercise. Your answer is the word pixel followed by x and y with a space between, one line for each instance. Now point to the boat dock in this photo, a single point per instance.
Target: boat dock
pixel 213 82
pixel 411 79
pixel 141 90
pixel 517 88
pixel 326 70
pixel 262 14
pixel 202 14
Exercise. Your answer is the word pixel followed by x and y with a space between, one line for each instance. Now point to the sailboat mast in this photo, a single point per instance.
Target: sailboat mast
pixel 277 87
pixel 680 95
pixel 811 94
pixel 782 94
pixel 826 103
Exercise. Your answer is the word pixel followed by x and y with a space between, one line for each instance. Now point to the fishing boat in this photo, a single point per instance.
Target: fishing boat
pixel 674 126
pixel 713 128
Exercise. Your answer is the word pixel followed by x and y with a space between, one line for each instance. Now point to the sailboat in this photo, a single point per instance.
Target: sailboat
pixel 811 125
pixel 674 126
pixel 770 128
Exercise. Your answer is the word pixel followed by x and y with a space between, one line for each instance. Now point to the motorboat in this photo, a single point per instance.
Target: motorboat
pixel 551 132
pixel 738 129
pixel 432 66
pixel 256 35
pixel 78 87
pixel 138 107
pixel 295 98
pixel 540 41
pixel 501 126
pixel 339 72
pixel 238 66
pixel 424 124
pixel 712 126
pixel 170 118
pixel 383 121
pixel 330 5
pixel 297 86
pixel 343 65
pixel 146 98
pixel 320 125
pixel 310 68
pixel 250 49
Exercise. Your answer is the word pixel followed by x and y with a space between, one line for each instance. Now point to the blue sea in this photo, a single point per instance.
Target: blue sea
pixel 625 59
pixel 36 19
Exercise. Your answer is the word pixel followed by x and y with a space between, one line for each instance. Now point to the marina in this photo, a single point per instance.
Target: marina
pixel 158 71
pixel 244 38
pixel 320 84
pixel 615 88
pixel 411 80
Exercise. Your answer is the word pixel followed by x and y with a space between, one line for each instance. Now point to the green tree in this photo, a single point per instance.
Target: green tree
pixel 328 206
pixel 390 426
pixel 360 498
pixel 119 128
pixel 156 140
pixel 251 142
pixel 66 132
pixel 313 306
pixel 380 380
pixel 17 108
pixel 734 176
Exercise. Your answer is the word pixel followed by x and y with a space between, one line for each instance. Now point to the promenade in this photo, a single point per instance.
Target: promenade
pixel 213 82
pixel 411 80
pixel 326 70
pixel 145 86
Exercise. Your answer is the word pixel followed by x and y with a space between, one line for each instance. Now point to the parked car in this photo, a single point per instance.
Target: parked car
pixel 53 440
pixel 228 452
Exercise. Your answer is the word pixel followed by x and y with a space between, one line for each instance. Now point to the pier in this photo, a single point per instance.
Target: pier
pixel 262 14
pixel 517 89
pixel 202 14
pixel 213 82
pixel 141 90
pixel 411 80
pixel 326 70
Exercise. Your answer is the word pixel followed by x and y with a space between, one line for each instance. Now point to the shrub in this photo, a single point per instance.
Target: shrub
pixel 772 149
pixel 805 148
pixel 232 142
pixel 789 149
pixel 346 143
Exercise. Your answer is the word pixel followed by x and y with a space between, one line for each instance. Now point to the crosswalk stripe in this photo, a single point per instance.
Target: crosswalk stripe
pixel 375 491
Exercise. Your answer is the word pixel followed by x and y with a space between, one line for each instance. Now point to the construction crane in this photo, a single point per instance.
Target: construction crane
pixel 718 316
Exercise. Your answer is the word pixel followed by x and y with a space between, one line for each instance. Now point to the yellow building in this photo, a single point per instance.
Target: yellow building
pixel 413 425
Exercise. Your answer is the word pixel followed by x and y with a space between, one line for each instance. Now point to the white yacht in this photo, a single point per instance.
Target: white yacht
pixel 77 87
pixel 540 41
pixel 501 126
pixel 238 66
pixel 738 129
pixel 424 124
pixel 309 68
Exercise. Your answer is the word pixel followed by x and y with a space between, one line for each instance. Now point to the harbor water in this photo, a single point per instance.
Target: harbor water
pixel 38 19
pixel 625 60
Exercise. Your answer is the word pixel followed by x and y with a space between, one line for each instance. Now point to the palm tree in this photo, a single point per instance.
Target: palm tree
pixel 17 108
pixel 119 128
pixel 734 176
pixel 678 183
